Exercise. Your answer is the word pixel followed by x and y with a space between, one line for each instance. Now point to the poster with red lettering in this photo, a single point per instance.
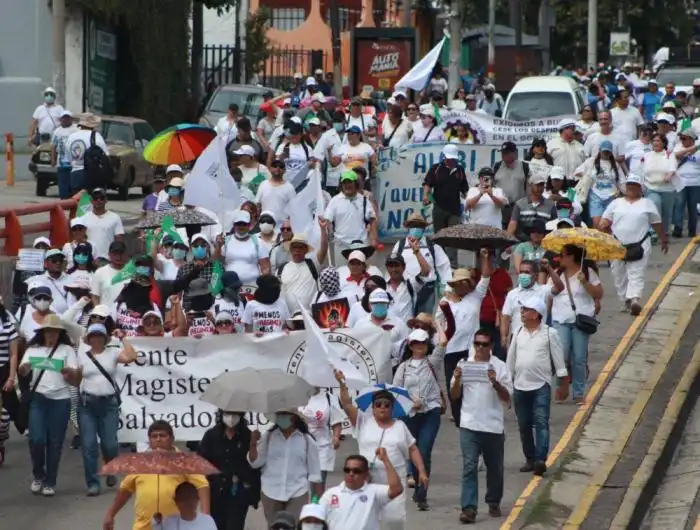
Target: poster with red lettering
pixel 381 63
pixel 331 314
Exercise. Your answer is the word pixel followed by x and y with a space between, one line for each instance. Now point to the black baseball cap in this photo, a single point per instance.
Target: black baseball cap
pixel 98 192
pixel 508 147
pixel 538 227
pixel 486 172
pixel 395 258
pixel 117 247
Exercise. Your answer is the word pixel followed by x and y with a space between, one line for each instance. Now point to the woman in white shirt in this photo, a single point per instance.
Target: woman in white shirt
pixel 377 428
pixel 325 418
pixel 243 252
pixel 540 160
pixel 226 126
pixel 288 458
pixel 51 363
pixel 461 134
pixel 417 373
pixel 603 177
pixel 396 130
pixel 630 218
pixel 658 168
pixel 427 129
pixel 459 102
pixel 98 412
pixel 267 312
pixel 689 176
pixel 30 317
pixel 484 202
pixel 588 120
pixel 356 153
pixel 574 284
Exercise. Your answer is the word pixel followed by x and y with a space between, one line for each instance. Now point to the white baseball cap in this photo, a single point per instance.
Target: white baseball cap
pixel 173 168
pixel 418 335
pixel 40 240
pixel 399 94
pixel 245 150
pixel 318 71
pixel 241 216
pixel 537 303
pixel 199 236
pixel 357 255
pixel 100 310
pixel 77 221
pixel 379 296
pixel 450 152
pixel 557 173
pixel 310 81
pixel 634 178
pixel 65 113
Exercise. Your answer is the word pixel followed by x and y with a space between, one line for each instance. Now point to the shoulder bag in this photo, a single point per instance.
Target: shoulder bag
pixel 589 325
pixel 106 375
pixel 22 419
pixel 635 251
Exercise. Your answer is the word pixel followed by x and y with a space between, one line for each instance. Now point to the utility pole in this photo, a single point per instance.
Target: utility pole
pixel 491 69
pixel 58 28
pixel 592 56
pixel 518 14
pixel 454 79
pixel 335 44
pixel 407 20
pixel 197 47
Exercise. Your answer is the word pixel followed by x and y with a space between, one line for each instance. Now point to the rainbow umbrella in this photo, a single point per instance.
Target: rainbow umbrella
pixel 180 144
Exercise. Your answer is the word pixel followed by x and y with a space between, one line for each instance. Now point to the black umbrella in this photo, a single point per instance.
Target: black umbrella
pixel 181 217
pixel 472 236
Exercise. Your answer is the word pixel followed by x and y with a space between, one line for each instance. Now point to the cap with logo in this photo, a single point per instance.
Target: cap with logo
pixel 379 296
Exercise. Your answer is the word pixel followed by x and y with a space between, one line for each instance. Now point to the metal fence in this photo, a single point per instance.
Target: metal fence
pixel 225 65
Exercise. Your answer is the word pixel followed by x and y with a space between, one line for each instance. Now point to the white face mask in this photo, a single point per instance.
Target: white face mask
pixel 41 305
pixel 239 235
pixel 311 526
pixel 230 420
pixel 266 228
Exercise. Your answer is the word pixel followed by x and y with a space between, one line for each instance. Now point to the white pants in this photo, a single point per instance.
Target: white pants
pixel 629 276
pixel 393 515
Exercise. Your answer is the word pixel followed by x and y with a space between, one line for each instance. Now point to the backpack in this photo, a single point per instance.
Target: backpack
pixel 97 165
pixel 309 263
pixel 525 166
pixel 431 249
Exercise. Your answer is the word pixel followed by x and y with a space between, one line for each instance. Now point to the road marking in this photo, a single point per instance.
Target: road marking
pixel 663 432
pixel 600 383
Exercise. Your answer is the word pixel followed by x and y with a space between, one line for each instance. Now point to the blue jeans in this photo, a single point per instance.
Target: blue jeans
pixel 77 181
pixel 491 446
pixel 664 202
pixel 532 411
pixel 574 344
pixel 688 198
pixel 424 427
pixel 596 205
pixel 63 181
pixel 48 421
pixel 97 416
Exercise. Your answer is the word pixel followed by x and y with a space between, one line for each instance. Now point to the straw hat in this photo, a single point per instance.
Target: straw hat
pixel 422 318
pixel 52 321
pixel 298 239
pixel 461 275
pixel 89 120
pixel 415 219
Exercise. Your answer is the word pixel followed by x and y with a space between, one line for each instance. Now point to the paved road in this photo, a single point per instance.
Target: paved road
pixel 70 506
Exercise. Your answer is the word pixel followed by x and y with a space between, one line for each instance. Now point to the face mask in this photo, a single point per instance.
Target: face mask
pixel 416 233
pixel 563 214
pixel 229 293
pixel 80 259
pixel 41 305
pixel 199 252
pixel 230 420
pixel 311 526
pixel 142 271
pixel 240 235
pixel 283 421
pixel 524 280
pixel 173 192
pixel 179 254
pixel 266 228
pixel 49 98
pixel 380 310
pixel 338 127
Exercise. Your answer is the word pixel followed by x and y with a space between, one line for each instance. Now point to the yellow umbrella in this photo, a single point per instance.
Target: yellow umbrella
pixel 596 244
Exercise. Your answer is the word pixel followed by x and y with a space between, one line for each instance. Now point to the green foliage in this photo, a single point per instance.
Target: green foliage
pixel 257 45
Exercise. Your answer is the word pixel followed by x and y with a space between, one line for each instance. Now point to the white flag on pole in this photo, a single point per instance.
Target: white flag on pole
pixel 418 76
pixel 305 207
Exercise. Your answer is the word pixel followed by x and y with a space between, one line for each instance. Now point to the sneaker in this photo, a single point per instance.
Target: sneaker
pixel 93 491
pixel 75 442
pixel 540 468
pixel 36 487
pixel 635 307
pixel 626 306
pixel 495 510
pixel 48 491
pixel 411 482
pixel 423 506
pixel 529 467
pixel 468 516
pixel 111 481
pixel 677 233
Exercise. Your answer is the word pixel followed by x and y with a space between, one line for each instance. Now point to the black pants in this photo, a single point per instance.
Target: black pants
pixel 441 219
pixel 451 361
pixel 228 511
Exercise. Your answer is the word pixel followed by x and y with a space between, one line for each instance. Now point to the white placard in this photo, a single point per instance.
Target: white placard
pixel 30 259
pixel 475 372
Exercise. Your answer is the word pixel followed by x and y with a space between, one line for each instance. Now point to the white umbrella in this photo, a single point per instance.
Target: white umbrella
pixel 265 391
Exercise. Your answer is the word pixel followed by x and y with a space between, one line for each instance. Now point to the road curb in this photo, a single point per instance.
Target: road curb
pixel 575 426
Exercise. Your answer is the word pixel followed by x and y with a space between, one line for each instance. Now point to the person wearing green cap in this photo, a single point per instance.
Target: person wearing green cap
pixel 352 215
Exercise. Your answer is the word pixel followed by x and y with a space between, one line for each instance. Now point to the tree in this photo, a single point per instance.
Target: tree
pixel 257 44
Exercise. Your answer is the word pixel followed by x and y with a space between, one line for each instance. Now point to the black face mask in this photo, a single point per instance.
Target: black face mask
pixel 80 293
pixel 230 294
pixel 696 92
pixel 267 295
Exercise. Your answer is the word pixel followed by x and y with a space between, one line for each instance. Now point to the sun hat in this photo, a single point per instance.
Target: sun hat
pixel 421 318
pixel 416 220
pixel 357 244
pixel 176 182
pixel 461 275
pixel 89 120
pixel 298 239
pixel 52 321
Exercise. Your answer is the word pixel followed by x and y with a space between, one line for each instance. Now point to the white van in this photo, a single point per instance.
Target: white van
pixel 544 97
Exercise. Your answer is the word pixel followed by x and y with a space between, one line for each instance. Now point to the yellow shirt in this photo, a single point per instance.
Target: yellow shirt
pixel 155 493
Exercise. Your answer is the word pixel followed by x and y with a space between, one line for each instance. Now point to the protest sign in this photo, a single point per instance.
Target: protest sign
pixel 44 363
pixel 332 313
pixel 170 374
pixel 30 259
pixel 489 130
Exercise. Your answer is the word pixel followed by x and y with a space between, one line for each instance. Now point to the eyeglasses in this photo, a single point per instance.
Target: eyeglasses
pixel 353 471
pixel 482 344
pixel 382 404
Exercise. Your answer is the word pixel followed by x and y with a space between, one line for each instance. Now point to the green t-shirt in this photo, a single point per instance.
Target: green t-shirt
pixel 528 251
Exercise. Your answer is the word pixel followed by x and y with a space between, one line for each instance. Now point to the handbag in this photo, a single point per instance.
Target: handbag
pixel 635 251
pixel 106 376
pixel 584 323
pixel 22 418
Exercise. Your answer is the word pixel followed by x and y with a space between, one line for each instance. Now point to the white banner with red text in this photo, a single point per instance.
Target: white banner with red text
pixel 170 374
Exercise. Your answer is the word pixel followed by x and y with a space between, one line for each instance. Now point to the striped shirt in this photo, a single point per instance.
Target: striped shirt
pixel 8 333
pixel 164 207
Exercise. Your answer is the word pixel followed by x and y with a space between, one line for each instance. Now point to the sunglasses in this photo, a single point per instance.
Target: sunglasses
pixel 382 404
pixel 285 229
pixel 56 260
pixel 152 322
pixel 98 318
pixel 224 323
pixel 353 471
pixel 412 109
pixel 482 344
pixel 42 298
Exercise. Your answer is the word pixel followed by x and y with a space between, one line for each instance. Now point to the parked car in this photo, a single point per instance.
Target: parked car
pixel 126 137
pixel 247 97
pixel 537 97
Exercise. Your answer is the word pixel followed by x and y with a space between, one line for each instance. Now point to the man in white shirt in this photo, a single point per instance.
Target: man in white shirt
pixel 636 149
pixel 566 152
pixel 402 288
pixel 626 118
pixel 527 287
pixel 102 288
pixel 45 118
pixel 355 503
pixel 55 279
pixel 299 276
pixel 103 226
pixel 532 352
pixel 607 132
pixel 77 145
pixel 492 102
pixel 482 384
pixel 274 194
pixel 351 214
pixel 61 159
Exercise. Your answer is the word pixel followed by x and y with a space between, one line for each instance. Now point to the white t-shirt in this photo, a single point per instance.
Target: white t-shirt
pixel 249 173
pixel 689 172
pixel 52 384
pixel 585 305
pixel 631 221
pixel 321 413
pixel 93 382
pixel 203 521
pixel 438 85
pixel 626 122
pixel 349 216
pixel 60 141
pixel 78 143
pixel 396 439
pixel 655 165
pixel 61 301
pixel 634 152
pixel 362 121
pixel 275 198
pixel 266 318
pixel 101 230
pixel 361 153
pixel 402 136
pixel 244 257
pixel 592 145
pixel 48 117
pixel 295 164
pixel 466 315
pixel 423 134
pixel 485 212
pixel 605 185
pixel 236 311
pixel 26 325
pixel 101 285
pixel 299 288
pixel 330 140
pixel 227 129
pixel 357 509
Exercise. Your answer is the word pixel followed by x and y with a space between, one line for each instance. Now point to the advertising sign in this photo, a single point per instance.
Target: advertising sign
pixel 380 58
